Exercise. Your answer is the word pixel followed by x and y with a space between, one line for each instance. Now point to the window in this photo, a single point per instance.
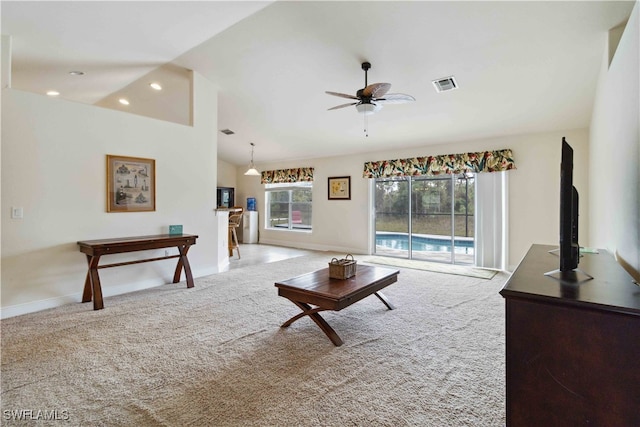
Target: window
pixel 289 206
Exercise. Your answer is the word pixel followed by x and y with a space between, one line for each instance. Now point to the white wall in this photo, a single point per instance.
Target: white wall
pixel 5 67
pixel 615 151
pixel 54 167
pixel 340 225
pixel 226 174
pixel 534 189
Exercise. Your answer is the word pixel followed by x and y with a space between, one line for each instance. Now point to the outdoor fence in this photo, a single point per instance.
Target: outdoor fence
pixel 432 223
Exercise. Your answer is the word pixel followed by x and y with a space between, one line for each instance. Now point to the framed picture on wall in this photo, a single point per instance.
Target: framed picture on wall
pixel 340 188
pixel 131 184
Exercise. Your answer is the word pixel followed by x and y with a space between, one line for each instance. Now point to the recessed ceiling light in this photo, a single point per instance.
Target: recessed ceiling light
pixel 123 101
pixel 76 73
pixel 155 86
pixel 53 93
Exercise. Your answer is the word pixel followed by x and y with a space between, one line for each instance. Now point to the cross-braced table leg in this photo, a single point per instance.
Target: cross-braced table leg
pixel 313 313
pixel 183 262
pixel 92 288
pixel 384 300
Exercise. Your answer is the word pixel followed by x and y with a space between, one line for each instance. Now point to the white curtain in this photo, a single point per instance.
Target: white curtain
pixel 491 226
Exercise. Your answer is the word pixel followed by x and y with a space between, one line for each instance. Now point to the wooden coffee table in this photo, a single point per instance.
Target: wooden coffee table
pixel 319 290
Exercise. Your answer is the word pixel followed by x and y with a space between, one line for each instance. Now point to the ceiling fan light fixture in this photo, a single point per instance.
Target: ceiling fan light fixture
pixel 368 108
pixel 252 171
pixel 371 98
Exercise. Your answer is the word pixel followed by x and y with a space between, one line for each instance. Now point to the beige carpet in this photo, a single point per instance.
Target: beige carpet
pixel 437 267
pixel 215 355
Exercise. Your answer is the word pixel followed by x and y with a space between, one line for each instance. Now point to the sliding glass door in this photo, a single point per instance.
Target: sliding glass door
pixel 431 218
pixel 392 217
pixel 426 218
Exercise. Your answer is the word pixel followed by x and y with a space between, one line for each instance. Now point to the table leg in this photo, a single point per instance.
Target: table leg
pixel 384 300
pixel 92 284
pixel 307 310
pixel 183 261
pixel 87 293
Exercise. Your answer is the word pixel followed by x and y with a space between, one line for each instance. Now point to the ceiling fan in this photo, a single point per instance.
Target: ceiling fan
pixel 372 97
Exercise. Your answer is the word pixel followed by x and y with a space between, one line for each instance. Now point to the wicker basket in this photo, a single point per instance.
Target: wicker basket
pixel 342 268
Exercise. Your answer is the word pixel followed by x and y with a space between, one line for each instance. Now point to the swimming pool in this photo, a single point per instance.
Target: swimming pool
pixel 422 243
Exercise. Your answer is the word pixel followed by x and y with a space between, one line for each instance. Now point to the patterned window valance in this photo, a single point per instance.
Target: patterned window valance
pixel 287 175
pixel 485 161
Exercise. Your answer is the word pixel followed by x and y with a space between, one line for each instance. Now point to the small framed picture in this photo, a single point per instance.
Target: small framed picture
pixel 340 188
pixel 131 184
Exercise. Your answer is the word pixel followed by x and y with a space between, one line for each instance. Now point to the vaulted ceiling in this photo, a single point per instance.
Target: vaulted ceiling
pixel 521 67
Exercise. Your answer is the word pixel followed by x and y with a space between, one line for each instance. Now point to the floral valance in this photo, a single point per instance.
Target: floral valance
pixel 485 161
pixel 287 175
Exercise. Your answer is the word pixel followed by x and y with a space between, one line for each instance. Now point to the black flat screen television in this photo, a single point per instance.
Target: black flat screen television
pixel 569 247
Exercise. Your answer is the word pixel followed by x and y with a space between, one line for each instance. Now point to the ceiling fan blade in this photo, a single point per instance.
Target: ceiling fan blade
pixel 395 98
pixel 342 95
pixel 376 89
pixel 342 106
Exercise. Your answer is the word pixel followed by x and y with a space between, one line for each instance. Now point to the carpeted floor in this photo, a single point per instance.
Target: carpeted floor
pixel 215 355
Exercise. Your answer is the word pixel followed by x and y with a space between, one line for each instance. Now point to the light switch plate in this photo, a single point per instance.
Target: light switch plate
pixel 17 213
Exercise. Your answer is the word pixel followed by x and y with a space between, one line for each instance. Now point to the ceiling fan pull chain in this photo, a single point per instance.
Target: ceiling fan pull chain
pixel 366 125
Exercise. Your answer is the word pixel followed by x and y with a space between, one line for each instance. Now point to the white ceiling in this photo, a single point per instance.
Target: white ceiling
pixel 522 67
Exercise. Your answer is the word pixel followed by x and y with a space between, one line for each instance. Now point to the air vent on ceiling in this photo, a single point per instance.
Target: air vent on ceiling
pixel 445 84
pixel 227 131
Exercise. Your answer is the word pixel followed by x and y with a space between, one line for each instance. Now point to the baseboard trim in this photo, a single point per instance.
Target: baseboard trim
pixel 109 291
pixel 34 306
pixel 313 247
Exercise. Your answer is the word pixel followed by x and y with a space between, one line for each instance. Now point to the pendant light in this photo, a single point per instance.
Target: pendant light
pixel 252 169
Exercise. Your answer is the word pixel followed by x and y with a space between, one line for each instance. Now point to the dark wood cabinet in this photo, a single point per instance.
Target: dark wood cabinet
pixel 572 349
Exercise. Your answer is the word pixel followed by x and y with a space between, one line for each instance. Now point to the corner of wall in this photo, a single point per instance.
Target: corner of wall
pixel 5 57
pixel 614 36
pixel 614 144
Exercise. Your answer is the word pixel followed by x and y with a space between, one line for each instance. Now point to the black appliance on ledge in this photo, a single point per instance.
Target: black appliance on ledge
pixel 225 197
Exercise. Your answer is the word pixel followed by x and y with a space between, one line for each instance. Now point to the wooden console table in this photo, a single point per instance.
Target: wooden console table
pixel 94 249
pixel 572 348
